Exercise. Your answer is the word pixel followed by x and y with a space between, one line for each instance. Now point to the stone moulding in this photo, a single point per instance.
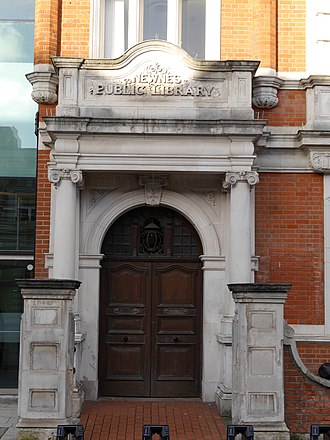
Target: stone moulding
pixel 265 90
pixel 44 84
pixel 169 83
pixel 48 283
pixel 289 340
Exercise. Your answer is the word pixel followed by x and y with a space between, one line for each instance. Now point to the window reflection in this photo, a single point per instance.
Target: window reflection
pixel 17 110
pixel 155 20
pixel 17 174
pixel 11 307
pixel 183 22
pixel 17 9
pixel 116 31
pixel 193 27
pixel 17 214
pixel 16 41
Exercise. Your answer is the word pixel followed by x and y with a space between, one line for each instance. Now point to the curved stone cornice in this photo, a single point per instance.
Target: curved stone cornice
pixel 251 177
pixel 165 47
pixel 265 91
pixel 44 84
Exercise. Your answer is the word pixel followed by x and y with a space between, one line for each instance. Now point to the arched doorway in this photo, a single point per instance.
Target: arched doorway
pixel 150 306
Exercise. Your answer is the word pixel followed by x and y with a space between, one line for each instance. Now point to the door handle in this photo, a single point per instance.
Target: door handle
pixel 175 339
pixel 125 338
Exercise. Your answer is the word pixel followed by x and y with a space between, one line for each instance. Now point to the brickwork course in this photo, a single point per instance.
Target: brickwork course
pixel 289 211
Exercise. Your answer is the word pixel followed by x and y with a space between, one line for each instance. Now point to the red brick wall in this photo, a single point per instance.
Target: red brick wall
pixel 306 402
pixel 61 28
pixel 289 241
pixel 43 215
pixel 47 30
pixel 313 355
pixel 75 28
pixel 291 109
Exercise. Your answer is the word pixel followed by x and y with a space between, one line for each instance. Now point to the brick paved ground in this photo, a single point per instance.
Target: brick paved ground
pixel 123 419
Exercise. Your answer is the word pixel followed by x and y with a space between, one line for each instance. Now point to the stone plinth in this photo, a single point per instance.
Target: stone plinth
pixel 258 393
pixel 46 357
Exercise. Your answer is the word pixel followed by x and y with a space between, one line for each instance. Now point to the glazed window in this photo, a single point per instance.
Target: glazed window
pixel 191 24
pixel 193 27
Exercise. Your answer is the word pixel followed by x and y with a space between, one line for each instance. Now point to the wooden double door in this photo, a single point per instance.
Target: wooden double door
pixel 150 328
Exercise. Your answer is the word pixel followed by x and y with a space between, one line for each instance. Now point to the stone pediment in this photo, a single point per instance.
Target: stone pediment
pixel 155 80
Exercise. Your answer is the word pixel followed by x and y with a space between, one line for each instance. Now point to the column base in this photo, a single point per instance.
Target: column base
pixel 78 398
pixel 39 429
pixel 270 431
pixel 90 389
pixel 223 402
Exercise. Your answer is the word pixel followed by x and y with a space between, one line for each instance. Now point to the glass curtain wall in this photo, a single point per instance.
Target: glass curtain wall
pixel 17 175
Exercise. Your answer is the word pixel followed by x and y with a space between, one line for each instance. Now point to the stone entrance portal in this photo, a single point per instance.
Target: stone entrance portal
pixel 155 128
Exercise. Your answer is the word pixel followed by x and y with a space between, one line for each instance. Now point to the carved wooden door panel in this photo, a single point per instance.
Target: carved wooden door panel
pixel 150 331
pixel 150 306
pixel 125 330
pixel 176 346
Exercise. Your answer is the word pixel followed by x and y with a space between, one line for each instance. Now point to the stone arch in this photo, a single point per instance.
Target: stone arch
pixel 103 217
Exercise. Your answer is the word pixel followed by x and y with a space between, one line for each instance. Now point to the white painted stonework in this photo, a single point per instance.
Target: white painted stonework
pixel 258 334
pixel 158 128
pixel 155 115
pixel 46 379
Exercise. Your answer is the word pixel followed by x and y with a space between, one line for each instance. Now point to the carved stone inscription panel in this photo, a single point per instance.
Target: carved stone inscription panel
pixel 154 80
pixel 162 77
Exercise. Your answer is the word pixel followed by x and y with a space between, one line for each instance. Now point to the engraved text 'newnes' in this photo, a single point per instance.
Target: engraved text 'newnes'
pixel 154 80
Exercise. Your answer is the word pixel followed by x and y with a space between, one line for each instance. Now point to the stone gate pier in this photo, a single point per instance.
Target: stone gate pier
pixel 258 333
pixel 46 357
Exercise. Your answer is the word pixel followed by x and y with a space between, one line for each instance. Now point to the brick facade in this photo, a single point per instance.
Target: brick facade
pixel 75 28
pixel 47 33
pixel 291 35
pixel 290 111
pixel 43 215
pixel 306 402
pixel 270 31
pixel 289 240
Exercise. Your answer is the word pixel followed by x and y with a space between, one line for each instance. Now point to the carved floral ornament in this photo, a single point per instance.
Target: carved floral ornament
pixel 250 177
pixel 320 161
pixel 55 176
pixel 44 87
pixel 265 90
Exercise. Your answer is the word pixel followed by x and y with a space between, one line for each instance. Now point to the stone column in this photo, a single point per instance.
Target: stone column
pixel 65 250
pixel 240 224
pixel 258 393
pixel 215 293
pixel 239 268
pixel 46 357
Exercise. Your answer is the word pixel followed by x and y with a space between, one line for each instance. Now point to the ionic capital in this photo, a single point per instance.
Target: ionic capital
pixel 55 176
pixel 231 178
